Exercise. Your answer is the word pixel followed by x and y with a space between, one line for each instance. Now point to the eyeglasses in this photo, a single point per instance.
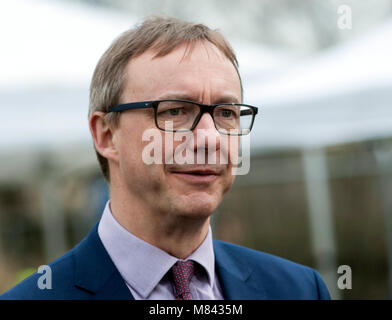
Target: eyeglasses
pixel 229 118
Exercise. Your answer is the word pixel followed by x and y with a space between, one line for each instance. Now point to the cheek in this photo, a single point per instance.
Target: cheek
pixel 229 180
pixel 142 178
pixel 167 147
pixel 130 159
pixel 134 128
pixel 230 146
pixel 177 147
pixel 130 146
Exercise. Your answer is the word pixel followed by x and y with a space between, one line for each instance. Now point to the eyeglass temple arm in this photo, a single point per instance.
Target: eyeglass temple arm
pixel 248 112
pixel 127 106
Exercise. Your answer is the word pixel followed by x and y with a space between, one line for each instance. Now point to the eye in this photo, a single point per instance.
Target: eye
pixel 174 111
pixel 226 113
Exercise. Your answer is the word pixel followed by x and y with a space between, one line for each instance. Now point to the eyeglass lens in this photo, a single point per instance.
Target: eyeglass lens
pixel 235 119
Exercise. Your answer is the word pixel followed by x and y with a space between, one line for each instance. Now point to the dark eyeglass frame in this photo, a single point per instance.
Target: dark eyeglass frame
pixel 209 108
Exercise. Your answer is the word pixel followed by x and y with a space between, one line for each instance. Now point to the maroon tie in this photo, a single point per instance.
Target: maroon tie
pixel 182 274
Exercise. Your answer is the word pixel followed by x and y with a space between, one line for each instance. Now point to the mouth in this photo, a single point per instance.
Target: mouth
pixel 197 176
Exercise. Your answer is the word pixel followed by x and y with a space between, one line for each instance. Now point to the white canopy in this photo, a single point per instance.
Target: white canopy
pixel 342 95
pixel 48 53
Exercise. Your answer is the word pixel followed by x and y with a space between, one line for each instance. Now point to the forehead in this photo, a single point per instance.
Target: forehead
pixel 198 72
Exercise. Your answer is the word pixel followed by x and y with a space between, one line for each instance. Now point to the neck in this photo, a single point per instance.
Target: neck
pixel 178 235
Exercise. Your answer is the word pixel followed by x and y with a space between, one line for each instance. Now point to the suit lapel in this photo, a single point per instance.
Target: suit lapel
pixel 235 275
pixel 95 271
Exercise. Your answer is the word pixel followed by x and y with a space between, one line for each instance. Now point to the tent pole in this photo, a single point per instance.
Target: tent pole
pixel 383 155
pixel 52 213
pixel 320 216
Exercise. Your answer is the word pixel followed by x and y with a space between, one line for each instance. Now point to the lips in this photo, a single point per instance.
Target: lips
pixel 199 172
pixel 196 175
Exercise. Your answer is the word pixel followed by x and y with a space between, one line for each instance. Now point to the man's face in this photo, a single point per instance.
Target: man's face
pixel 205 76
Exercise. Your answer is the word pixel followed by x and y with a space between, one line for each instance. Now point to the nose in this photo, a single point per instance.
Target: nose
pixel 206 135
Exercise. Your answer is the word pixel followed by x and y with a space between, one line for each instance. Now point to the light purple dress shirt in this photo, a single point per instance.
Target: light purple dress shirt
pixel 145 267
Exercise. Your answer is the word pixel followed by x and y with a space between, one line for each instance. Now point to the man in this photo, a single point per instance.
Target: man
pixel 170 80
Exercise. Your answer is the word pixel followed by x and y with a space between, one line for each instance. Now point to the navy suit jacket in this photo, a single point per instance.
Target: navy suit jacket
pixel 87 272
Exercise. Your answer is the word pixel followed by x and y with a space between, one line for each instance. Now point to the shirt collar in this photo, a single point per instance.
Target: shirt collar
pixel 204 255
pixel 141 264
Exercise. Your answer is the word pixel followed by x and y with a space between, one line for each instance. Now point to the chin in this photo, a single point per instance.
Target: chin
pixel 198 207
pixel 199 211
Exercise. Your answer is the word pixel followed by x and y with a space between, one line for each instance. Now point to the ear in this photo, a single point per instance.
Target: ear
pixel 103 135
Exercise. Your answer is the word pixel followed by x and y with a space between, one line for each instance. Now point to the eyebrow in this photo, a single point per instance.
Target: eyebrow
pixel 182 96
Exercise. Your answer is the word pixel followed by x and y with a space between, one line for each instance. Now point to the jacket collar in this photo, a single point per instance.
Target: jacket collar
pixel 235 274
pixel 95 271
pixel 142 265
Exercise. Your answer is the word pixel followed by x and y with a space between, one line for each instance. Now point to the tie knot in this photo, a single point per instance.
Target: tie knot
pixel 182 274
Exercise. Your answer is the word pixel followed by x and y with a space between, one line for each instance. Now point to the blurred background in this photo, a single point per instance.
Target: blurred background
pixel 320 182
